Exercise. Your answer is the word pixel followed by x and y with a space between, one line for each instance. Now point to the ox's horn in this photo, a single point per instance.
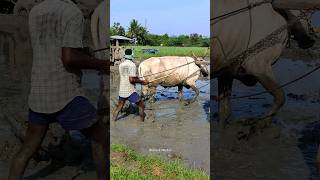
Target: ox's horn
pixel 206 53
pixel 193 54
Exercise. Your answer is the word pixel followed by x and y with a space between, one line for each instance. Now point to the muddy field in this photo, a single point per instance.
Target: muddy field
pixel 285 150
pixel 171 130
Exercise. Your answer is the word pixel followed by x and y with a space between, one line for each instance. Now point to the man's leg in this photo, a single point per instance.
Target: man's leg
pixel 118 109
pixel 141 109
pixel 99 144
pixel 34 137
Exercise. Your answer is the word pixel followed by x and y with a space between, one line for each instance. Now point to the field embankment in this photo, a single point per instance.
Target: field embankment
pixel 127 164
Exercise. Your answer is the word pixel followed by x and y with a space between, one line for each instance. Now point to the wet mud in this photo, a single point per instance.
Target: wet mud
pixel 172 129
pixel 286 149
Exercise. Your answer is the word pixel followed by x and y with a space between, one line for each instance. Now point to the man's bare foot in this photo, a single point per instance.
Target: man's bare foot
pixel 142 117
pixel 114 117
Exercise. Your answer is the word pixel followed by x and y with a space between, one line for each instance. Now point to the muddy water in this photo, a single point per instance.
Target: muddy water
pixel 171 130
pixel 287 149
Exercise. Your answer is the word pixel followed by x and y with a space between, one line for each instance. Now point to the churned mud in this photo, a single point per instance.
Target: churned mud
pixel 171 129
pixel 286 149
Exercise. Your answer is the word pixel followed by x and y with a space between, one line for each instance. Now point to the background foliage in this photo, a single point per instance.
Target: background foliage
pixel 136 30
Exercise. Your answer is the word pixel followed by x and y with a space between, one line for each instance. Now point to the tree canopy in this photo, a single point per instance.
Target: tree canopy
pixel 143 37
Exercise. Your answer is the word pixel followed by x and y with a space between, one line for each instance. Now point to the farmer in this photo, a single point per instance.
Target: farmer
pixel 56 95
pixel 296 29
pixel 128 79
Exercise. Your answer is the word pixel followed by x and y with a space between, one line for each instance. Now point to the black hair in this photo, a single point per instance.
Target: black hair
pixel 128 52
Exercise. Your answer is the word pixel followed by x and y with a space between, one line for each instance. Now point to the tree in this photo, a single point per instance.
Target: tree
pixel 135 30
pixel 195 39
pixel 117 29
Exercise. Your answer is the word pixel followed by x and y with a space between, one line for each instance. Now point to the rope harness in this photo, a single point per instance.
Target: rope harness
pixel 171 69
pixel 263 44
pixel 279 87
pixel 238 11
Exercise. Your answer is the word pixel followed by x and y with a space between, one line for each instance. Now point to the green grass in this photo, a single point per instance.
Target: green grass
pixel 168 51
pixel 126 164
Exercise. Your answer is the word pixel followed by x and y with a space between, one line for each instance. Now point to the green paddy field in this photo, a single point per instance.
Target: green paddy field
pixel 168 51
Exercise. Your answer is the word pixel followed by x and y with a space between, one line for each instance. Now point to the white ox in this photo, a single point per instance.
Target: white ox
pixel 234 34
pixel 171 71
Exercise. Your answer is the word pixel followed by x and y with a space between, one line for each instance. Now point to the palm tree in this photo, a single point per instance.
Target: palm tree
pixel 137 31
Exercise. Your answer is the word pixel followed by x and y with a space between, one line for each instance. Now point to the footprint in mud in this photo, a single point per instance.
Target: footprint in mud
pixel 297 97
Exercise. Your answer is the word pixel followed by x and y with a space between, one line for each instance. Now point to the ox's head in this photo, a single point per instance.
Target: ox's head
pixel 202 64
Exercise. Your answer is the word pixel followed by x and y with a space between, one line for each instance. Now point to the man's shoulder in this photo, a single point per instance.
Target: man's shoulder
pixel 131 63
pixel 127 63
pixel 65 7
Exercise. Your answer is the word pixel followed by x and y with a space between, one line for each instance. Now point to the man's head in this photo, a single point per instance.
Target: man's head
pixel 128 54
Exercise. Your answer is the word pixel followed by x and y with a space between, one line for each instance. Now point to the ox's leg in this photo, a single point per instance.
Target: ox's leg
pixel 268 81
pixel 196 90
pixel 180 95
pixel 144 91
pixel 224 91
pixel 153 91
pixel 147 93
pixel 192 83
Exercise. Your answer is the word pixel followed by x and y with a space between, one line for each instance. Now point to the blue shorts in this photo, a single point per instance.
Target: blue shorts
pixel 76 115
pixel 133 98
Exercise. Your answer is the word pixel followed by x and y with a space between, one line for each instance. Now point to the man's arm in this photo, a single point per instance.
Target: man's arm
pixel 76 58
pixel 134 80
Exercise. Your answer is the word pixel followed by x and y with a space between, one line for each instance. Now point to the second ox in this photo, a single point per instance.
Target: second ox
pixel 172 71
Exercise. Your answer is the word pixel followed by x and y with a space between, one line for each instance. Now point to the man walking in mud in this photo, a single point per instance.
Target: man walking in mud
pixel 56 95
pixel 128 79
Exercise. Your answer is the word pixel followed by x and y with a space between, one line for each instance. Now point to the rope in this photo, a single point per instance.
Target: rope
pixel 260 45
pixel 263 44
pixel 250 29
pixel 248 7
pixel 163 90
pixel 279 87
pixel 167 70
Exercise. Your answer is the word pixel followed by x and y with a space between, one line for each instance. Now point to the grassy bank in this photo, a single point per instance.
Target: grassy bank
pixel 168 51
pixel 126 164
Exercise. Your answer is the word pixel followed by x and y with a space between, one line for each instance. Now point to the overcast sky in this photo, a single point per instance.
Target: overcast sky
pixel 164 16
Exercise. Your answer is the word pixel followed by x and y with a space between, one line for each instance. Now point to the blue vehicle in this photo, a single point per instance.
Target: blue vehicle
pixel 150 51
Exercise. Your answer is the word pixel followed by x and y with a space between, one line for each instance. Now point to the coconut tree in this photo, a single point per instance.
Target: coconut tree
pixel 137 31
